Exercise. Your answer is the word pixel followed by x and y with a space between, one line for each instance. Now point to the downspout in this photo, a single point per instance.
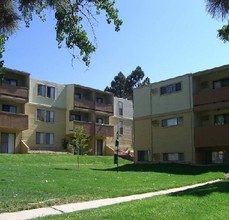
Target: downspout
pixel 151 127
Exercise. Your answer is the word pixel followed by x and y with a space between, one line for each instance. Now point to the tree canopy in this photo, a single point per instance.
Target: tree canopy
pixel 72 20
pixel 122 86
pixel 220 9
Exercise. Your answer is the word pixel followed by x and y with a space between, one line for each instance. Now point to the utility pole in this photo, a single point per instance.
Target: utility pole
pixel 116 154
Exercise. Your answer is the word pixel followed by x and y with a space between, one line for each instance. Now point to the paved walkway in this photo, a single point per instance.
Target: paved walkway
pixel 74 207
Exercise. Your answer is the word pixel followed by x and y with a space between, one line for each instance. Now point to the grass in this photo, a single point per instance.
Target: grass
pixel 207 202
pixel 40 180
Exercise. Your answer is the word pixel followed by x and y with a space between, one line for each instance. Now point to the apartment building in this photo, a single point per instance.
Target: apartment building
pixel 46 110
pixel 91 109
pixel 14 94
pixel 183 119
pixel 122 120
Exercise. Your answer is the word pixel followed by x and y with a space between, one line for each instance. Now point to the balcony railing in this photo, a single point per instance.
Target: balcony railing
pixel 212 99
pixel 13 121
pixel 216 136
pixel 108 108
pixel 104 130
pixel 15 92
pixel 84 103
pixel 92 129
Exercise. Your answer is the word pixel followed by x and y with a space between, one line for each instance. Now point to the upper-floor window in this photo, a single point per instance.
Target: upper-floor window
pixel 12 82
pixel 9 108
pixel 41 90
pixel 172 122
pixel 75 117
pixel 77 96
pixel 46 91
pixel 170 88
pixel 120 108
pixel 45 115
pixel 51 92
pixel 120 127
pixel 99 100
pixel 99 120
pixel 220 83
pixel 221 119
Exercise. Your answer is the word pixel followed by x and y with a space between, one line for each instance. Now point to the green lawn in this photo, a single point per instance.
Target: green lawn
pixel 40 180
pixel 207 202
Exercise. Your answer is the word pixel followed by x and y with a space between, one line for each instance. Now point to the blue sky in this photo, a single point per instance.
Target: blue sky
pixel 165 38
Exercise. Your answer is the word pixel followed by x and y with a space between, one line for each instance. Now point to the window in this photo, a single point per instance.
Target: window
pixel 41 90
pixel 120 108
pixel 220 83
pixel 51 92
pixel 46 91
pixel 44 138
pixel 40 115
pixel 9 108
pixel 12 82
pixel 143 155
pixel 170 88
pixel 99 120
pixel 49 138
pixel 40 138
pixel 120 127
pixel 75 117
pixel 221 119
pixel 172 122
pixel 99 100
pixel 50 116
pixel 45 115
pixel 173 156
pixel 77 96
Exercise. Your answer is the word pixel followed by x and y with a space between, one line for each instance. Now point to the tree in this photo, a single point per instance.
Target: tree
pixel 220 9
pixel 79 141
pixel 118 86
pixel 122 86
pixel 72 19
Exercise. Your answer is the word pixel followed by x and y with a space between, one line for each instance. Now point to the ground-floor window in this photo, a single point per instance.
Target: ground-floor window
pixel 44 138
pixel 7 142
pixel 217 157
pixel 143 155
pixel 173 156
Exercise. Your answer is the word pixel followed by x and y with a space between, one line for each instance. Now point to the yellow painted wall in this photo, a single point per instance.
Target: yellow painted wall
pixel 58 127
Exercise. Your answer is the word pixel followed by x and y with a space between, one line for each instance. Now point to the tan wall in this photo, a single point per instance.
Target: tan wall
pixel 142 135
pixel 58 127
pixel 69 107
pixel 174 139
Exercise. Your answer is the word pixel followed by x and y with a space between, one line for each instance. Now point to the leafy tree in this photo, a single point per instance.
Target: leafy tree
pixel 72 19
pixel 122 86
pixel 220 9
pixel 79 141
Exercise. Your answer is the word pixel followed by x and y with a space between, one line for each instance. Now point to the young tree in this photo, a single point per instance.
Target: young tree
pixel 79 141
pixel 220 9
pixel 122 86
pixel 72 19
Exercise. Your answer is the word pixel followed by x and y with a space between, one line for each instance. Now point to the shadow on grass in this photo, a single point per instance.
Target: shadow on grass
pixel 220 187
pixel 182 169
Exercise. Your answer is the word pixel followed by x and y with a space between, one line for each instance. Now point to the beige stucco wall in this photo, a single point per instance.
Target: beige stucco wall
pixel 58 127
pixel 142 135
pixel 174 139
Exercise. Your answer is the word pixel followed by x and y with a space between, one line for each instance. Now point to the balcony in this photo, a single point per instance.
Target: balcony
pixel 108 108
pixel 84 103
pixel 212 99
pixel 92 129
pixel 104 130
pixel 14 92
pixel 216 136
pixel 13 121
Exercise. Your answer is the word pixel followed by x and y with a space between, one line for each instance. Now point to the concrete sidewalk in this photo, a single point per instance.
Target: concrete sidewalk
pixel 74 207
